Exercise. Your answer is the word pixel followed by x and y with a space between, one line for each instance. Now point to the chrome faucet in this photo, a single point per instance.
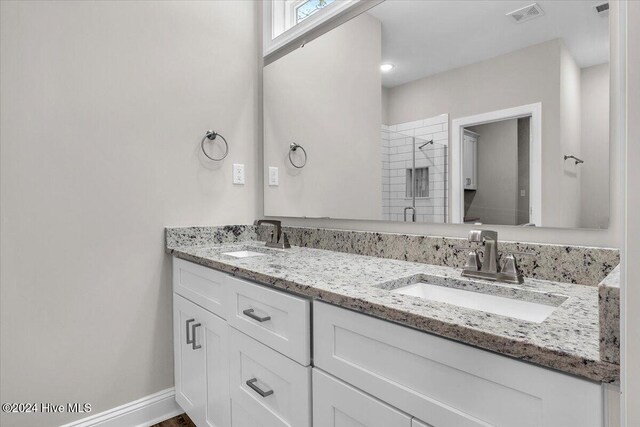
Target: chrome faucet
pixel 489 267
pixel 278 238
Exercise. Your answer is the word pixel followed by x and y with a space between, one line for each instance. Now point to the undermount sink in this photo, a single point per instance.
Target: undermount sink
pixel 507 301
pixel 243 254
pixel 248 251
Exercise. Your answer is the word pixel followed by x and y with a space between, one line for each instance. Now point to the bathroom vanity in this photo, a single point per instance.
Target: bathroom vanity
pixel 303 336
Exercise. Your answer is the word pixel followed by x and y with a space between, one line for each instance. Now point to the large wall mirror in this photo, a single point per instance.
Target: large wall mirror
pixel 492 112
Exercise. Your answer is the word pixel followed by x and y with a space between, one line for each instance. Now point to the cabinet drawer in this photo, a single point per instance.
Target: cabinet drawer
pixel 444 383
pixel 202 285
pixel 336 403
pixel 279 320
pixel 270 388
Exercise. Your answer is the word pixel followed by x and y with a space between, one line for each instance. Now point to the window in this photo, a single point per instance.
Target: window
pixel 421 182
pixel 309 7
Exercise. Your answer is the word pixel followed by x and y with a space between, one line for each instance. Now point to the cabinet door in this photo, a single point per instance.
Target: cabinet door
pixel 189 363
pixel 201 364
pixel 469 161
pixel 337 404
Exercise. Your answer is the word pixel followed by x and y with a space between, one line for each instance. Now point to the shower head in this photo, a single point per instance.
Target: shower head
pixel 426 143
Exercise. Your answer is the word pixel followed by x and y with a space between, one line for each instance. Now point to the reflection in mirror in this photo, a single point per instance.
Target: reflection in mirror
pixel 407 117
pixel 286 14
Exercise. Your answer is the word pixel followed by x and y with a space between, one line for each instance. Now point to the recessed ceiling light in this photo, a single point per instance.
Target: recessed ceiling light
pixel 385 68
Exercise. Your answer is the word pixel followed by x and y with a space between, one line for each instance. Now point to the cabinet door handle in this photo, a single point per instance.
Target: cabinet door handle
pixel 193 336
pixel 249 313
pixel 189 340
pixel 252 384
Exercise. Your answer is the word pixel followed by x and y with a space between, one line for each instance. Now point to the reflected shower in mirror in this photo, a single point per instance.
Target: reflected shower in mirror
pixel 446 112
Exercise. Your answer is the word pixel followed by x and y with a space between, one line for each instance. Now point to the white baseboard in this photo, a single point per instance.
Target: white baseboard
pixel 140 413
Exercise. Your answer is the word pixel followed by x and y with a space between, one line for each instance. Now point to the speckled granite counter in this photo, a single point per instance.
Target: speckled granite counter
pixel 568 340
pixel 609 294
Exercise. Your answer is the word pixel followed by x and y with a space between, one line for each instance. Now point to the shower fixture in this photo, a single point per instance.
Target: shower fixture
pixel 426 143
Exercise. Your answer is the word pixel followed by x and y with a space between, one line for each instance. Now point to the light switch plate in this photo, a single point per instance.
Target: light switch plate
pixel 238 173
pixel 273 176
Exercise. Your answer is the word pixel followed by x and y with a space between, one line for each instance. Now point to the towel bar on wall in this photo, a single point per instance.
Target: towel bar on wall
pixel 577 160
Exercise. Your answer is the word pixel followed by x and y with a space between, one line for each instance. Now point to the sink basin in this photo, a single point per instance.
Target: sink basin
pixel 248 251
pixel 507 301
pixel 243 254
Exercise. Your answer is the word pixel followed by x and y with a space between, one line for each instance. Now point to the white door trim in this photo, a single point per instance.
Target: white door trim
pixel 535 157
pixel 143 412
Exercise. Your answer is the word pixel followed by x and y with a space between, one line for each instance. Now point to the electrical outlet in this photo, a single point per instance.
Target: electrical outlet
pixel 273 176
pixel 523 193
pixel 238 173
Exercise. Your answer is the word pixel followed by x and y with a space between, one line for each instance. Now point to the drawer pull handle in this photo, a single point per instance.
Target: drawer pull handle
pixel 252 384
pixel 249 313
pixel 189 340
pixel 193 336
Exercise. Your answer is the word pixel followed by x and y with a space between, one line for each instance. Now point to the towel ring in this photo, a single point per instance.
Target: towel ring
pixel 211 135
pixel 292 148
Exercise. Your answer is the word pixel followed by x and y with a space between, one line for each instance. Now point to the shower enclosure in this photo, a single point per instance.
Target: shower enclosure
pixel 414 178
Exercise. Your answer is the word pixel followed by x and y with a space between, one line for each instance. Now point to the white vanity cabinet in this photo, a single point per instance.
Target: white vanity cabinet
pixel 260 368
pixel 443 383
pixel 252 369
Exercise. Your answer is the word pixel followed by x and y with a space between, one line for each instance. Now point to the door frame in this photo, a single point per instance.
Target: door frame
pixel 535 157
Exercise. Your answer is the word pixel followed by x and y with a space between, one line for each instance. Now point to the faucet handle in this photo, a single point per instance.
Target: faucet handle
pixel 284 241
pixel 510 271
pixel 473 261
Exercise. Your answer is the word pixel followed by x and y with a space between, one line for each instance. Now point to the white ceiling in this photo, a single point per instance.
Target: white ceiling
pixel 425 37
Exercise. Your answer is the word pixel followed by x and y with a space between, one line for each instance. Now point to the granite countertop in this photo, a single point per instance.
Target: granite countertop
pixel 568 340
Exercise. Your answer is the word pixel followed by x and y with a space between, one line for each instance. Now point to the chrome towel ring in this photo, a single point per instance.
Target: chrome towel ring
pixel 293 148
pixel 211 135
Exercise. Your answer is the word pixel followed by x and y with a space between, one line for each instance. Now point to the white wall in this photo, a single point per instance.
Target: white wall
pixel 309 97
pixel 594 134
pixel 103 108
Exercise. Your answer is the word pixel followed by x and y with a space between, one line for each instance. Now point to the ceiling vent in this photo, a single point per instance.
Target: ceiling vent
pixel 526 13
pixel 602 9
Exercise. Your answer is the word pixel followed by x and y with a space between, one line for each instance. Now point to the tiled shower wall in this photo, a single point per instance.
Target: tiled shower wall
pixel 397 143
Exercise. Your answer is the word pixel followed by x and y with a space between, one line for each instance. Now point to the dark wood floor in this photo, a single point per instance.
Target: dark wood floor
pixel 179 421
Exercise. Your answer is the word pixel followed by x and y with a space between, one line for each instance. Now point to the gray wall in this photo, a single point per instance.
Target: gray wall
pixel 495 201
pixel 310 96
pixel 103 107
pixel 595 145
pixel 631 270
pixel 561 190
pixel 524 133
